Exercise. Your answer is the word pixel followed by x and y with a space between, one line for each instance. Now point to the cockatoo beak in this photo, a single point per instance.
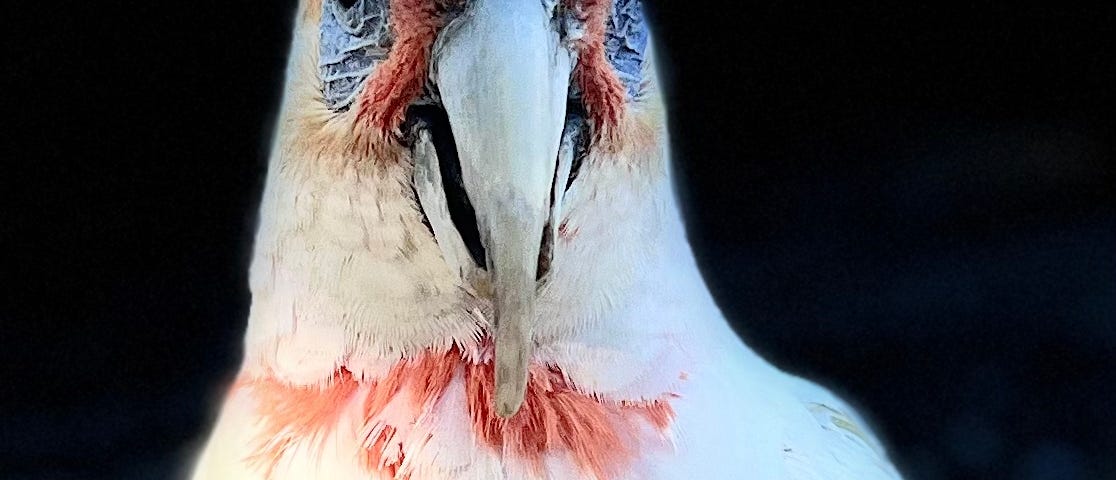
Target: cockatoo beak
pixel 502 73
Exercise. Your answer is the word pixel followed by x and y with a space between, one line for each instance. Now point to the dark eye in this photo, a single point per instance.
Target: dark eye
pixel 346 4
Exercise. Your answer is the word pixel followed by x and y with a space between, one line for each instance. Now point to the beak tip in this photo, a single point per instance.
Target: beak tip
pixel 508 399
pixel 506 410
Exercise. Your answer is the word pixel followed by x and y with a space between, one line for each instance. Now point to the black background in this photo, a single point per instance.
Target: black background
pixel 913 203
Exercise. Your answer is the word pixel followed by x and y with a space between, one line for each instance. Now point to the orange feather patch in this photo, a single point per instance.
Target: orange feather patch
pixel 601 90
pixel 400 78
pixel 555 418
pixel 294 414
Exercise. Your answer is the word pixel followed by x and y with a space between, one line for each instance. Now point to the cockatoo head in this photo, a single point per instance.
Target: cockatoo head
pixel 497 104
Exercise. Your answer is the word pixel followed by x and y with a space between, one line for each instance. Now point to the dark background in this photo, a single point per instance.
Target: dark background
pixel 912 203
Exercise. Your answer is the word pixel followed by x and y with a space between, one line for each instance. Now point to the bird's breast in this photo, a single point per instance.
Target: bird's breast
pixel 433 413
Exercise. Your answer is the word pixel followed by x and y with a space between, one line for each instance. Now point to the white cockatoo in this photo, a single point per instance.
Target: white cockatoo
pixel 470 264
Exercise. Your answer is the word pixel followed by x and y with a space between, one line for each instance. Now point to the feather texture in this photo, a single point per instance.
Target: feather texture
pixel 366 352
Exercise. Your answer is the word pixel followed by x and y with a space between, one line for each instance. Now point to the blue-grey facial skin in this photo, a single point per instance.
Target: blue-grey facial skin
pixel 625 43
pixel 626 39
pixel 353 40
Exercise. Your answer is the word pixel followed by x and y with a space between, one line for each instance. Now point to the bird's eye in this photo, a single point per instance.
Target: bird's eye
pixel 347 4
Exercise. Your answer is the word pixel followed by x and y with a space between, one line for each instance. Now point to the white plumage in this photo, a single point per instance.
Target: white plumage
pixel 346 275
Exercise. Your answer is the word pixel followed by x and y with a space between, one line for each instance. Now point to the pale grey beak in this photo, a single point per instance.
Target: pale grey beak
pixel 503 73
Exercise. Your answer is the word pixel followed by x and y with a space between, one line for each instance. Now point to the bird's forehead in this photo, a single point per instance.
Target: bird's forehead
pixel 356 36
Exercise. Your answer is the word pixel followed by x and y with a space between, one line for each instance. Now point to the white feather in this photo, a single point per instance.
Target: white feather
pixel 344 271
